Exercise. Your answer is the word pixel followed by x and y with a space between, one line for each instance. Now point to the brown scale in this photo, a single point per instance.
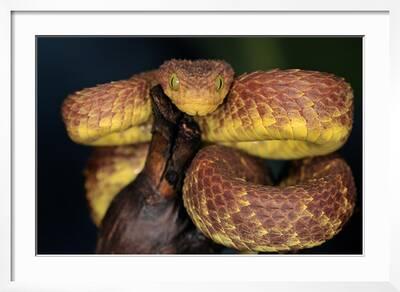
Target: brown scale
pixel 314 95
pixel 89 106
pixel 307 209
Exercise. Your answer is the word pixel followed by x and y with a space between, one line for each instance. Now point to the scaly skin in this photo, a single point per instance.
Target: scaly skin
pixel 238 209
pixel 108 171
pixel 116 113
pixel 278 114
pixel 290 113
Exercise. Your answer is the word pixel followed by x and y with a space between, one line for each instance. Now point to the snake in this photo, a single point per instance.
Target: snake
pixel 289 114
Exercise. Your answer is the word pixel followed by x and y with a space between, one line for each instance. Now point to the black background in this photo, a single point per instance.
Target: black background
pixel 68 64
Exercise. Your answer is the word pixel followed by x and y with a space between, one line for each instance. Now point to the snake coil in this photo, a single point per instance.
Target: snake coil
pixel 277 114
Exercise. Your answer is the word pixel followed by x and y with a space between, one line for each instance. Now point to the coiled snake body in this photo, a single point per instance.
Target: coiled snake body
pixel 278 114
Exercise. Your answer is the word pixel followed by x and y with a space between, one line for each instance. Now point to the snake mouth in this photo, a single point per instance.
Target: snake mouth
pixel 197 108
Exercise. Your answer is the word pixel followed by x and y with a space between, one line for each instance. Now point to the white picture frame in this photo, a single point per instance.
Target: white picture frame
pixel 378 269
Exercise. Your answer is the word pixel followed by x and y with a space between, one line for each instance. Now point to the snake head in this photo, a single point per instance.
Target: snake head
pixel 196 87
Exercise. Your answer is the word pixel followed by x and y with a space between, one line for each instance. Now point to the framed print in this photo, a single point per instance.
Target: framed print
pixel 59 220
pixel 240 52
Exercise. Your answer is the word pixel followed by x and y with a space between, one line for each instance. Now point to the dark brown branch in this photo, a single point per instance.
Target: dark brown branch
pixel 148 215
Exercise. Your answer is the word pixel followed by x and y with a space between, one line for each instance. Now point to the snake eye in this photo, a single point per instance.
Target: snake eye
pixel 219 83
pixel 174 82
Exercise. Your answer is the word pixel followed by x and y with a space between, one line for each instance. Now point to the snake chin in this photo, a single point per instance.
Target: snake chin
pixel 196 102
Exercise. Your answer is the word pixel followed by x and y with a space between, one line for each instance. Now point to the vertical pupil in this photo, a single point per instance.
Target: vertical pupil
pixel 219 83
pixel 174 82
